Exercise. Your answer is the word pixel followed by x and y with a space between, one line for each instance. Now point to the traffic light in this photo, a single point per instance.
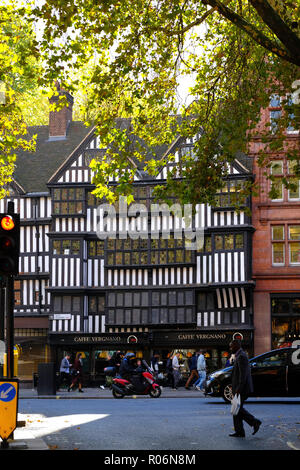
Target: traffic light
pixel 9 244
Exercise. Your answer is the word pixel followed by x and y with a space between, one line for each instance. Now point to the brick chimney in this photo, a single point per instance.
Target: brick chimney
pixel 60 120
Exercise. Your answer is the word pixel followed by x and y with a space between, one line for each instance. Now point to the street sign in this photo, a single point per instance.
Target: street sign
pixel 9 391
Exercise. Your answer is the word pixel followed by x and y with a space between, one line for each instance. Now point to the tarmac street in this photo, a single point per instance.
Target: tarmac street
pixel 178 421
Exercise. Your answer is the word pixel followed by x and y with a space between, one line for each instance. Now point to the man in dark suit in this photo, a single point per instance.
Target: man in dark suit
pixel 242 385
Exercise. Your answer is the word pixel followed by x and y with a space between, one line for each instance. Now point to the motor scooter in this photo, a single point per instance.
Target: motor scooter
pixel 142 383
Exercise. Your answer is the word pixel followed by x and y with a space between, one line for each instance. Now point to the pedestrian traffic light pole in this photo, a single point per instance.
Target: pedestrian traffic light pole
pixel 2 320
pixel 9 267
pixel 10 326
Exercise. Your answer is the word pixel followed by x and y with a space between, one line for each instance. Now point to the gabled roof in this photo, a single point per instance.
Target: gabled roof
pixel 33 170
pixel 52 157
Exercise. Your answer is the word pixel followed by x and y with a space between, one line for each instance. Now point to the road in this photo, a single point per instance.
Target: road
pixel 159 424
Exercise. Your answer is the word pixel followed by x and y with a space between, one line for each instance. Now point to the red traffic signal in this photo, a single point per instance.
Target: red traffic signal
pixel 7 222
pixel 9 244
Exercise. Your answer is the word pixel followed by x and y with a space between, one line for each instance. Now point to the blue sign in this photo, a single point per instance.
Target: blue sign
pixel 7 392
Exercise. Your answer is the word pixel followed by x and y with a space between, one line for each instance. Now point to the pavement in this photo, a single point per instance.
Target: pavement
pixel 23 439
pixel 98 393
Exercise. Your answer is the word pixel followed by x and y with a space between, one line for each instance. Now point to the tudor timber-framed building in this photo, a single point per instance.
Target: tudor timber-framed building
pixel 77 292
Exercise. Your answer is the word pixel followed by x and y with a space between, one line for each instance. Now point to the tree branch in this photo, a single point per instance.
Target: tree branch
pixel 197 22
pixel 272 19
pixel 253 32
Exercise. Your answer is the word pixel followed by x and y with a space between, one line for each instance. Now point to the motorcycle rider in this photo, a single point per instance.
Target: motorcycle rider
pixel 127 366
pixel 130 369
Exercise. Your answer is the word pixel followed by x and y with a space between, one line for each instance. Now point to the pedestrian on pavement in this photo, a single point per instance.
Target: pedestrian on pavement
pixel 78 374
pixel 176 370
pixel 115 361
pixel 169 370
pixel 242 385
pixel 201 369
pixel 193 371
pixel 65 376
pixel 154 364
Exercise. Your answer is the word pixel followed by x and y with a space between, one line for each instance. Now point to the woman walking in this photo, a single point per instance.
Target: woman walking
pixel 77 379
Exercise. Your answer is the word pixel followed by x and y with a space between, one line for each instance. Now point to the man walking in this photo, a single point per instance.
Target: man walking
pixel 201 368
pixel 193 371
pixel 65 375
pixel 242 385
pixel 176 370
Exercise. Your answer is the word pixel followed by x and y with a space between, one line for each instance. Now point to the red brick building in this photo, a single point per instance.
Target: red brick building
pixel 276 246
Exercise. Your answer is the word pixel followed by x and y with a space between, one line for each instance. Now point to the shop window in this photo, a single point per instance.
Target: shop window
pixel 285 320
pixel 281 305
pixel 296 306
pixel 31 353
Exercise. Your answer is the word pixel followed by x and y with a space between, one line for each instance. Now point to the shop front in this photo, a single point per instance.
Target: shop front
pixel 214 344
pixel 96 350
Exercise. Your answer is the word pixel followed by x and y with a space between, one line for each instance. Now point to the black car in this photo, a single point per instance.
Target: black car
pixel 275 373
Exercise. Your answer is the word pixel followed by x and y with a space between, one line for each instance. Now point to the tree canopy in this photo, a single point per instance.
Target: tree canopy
pixel 134 57
pixel 19 72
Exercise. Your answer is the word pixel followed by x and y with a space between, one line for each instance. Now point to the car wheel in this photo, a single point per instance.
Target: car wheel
pixel 227 392
pixel 155 392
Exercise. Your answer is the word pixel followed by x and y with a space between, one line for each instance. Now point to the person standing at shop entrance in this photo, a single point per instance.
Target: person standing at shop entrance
pixel 242 385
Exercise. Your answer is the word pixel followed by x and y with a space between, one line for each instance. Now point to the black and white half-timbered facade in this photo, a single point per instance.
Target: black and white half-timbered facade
pixel 79 292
